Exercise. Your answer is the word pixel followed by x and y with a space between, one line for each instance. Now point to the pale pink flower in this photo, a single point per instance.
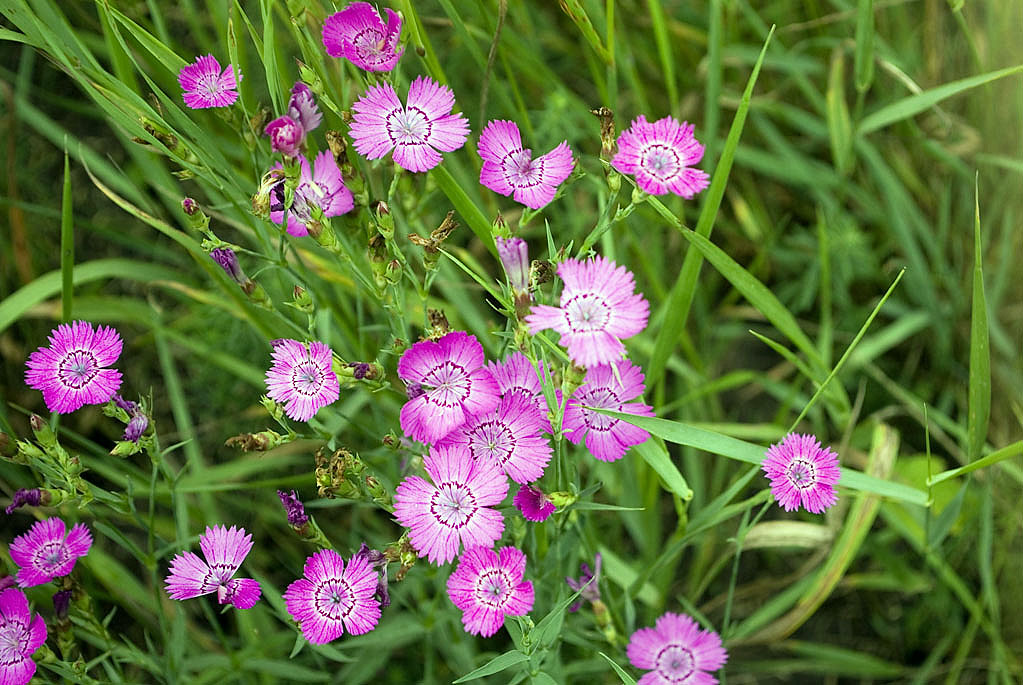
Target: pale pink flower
pixel 302 378
pixel 676 652
pixel 357 34
pixel 487 586
pixel 332 597
pixel 607 438
pixel 72 371
pixel 509 169
pixel 802 473
pixel 21 634
pixel 225 549
pixel 660 155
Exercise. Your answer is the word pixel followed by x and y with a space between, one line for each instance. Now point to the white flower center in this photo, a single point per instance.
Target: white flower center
pixel 307 378
pixel 660 161
pixel 675 663
pixel 408 126
pixel 453 505
pixel 587 312
pixel 802 473
pixel 77 369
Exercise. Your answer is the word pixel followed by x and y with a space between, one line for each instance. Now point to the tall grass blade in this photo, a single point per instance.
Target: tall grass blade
pixel 980 353
pixel 67 245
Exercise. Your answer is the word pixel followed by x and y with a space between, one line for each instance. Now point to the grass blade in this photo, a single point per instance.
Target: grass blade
pixel 67 245
pixel 980 353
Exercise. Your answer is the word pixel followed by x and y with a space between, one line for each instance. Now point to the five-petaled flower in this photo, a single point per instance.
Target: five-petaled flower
pixel 802 473
pixel 509 169
pixel 599 307
pixel 225 549
pixel 333 598
pixel 534 503
pixel 676 652
pixel 487 586
pixel 302 378
pixel 205 85
pixel 45 553
pixel 456 508
pixel 357 34
pixel 72 371
pixel 21 634
pixel 415 132
pixel 604 387
pixel 516 375
pixel 288 132
pixel 660 155
pixel 323 187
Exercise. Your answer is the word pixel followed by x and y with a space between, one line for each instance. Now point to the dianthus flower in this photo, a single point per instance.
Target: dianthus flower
pixel 598 308
pixel 516 375
pixel 660 155
pixel 454 383
pixel 802 473
pixel 332 597
pixel 323 187
pixel 534 504
pixel 302 378
pixel 205 85
pixel 287 133
pixel 357 34
pixel 45 553
pixel 509 169
pixel 456 508
pixel 607 438
pixel 508 437
pixel 415 132
pixel 487 586
pixel 21 634
pixel 72 371
pixel 225 549
pixel 676 652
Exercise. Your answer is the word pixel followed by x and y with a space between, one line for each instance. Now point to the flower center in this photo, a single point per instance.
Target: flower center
pixel 450 383
pixel 493 441
pixel 50 555
pixel 675 663
pixel 587 312
pixel 77 369
pixel 521 170
pixel 453 505
pixel 660 161
pixel 13 642
pixel 604 398
pixel 802 473
pixel 493 588
pixel 210 83
pixel 307 378
pixel 408 126
pixel 334 599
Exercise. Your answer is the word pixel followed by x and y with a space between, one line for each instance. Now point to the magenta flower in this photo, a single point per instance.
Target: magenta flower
pixel 607 438
pixel 598 308
pixel 287 133
pixel 676 652
pixel 415 132
pixel 509 438
pixel 225 549
pixel 72 371
pixel 454 383
pixel 21 634
pixel 517 375
pixel 455 509
pixel 660 155
pixel 302 378
pixel 332 598
pixel 487 586
pixel 509 169
pixel 357 34
pixel 802 473
pixel 45 553
pixel 205 85
pixel 323 187
pixel 534 504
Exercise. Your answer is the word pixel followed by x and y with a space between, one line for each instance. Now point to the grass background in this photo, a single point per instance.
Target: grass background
pixel 865 150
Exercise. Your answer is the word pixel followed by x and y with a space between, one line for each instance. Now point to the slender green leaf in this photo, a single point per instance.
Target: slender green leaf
pixel 864 59
pixel 980 353
pixel 67 245
pixel 655 454
pixel 626 678
pixel 495 665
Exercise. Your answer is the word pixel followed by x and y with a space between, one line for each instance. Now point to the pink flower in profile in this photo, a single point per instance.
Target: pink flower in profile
pixel 517 376
pixel 607 438
pixel 287 133
pixel 21 634
pixel 72 371
pixel 323 187
pixel 456 508
pixel 447 384
pixel 44 553
pixel 534 504
pixel 509 169
pixel 415 132
pixel 225 549
pixel 676 652
pixel 357 34
pixel 598 308
pixel 660 155
pixel 332 598
pixel 508 437
pixel 302 378
pixel 205 85
pixel 802 473
pixel 487 586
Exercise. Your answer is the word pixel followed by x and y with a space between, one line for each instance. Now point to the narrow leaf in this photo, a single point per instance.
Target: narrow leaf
pixel 495 665
pixel 980 354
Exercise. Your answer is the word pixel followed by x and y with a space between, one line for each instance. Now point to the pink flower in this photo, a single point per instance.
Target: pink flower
pixel 44 553
pixel 288 133
pixel 802 473
pixel 455 509
pixel 607 438
pixel 516 375
pixel 598 308
pixel 324 187
pixel 72 371
pixel 21 634
pixel 415 132
pixel 205 86
pixel 357 34
pixel 514 255
pixel 509 438
pixel 332 598
pixel 450 385
pixel 509 169
pixel 225 549
pixel 302 378
pixel 660 156
pixel 487 586
pixel 534 504
pixel 676 652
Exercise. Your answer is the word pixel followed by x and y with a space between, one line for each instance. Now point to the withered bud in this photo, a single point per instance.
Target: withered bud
pixel 541 271
pixel 439 325
pixel 608 144
pixel 338 145
pixel 441 233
